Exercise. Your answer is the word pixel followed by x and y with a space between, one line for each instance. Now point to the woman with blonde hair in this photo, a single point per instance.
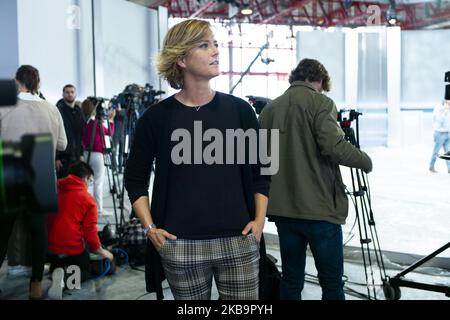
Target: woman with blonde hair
pixel 206 217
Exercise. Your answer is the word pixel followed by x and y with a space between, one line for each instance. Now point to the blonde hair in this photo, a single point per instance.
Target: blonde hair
pixel 179 40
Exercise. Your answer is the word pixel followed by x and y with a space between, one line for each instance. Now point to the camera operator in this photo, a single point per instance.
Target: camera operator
pixel 307 199
pixel 119 135
pixel 95 146
pixel 31 115
pixel 74 126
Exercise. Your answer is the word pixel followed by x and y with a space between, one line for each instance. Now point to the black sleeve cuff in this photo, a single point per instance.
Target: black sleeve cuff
pixel 262 186
pixel 135 195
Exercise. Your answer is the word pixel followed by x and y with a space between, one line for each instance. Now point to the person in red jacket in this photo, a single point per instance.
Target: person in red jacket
pixel 72 232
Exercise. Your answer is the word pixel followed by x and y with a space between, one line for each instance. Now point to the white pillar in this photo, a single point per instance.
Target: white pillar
pixel 99 48
pixel 163 17
pixel 9 54
pixel 85 61
pixel 351 68
pixel 153 48
pixel 393 55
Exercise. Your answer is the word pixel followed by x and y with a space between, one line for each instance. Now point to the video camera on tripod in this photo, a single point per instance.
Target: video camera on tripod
pixel 129 98
pixel 25 167
pixel 258 103
pixel 149 96
pixel 101 109
pixel 364 218
pixel 136 97
pixel 345 119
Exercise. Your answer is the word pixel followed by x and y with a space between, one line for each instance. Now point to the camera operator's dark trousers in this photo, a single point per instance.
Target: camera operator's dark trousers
pixel 37 226
pixel 66 161
pixel 119 145
pixel 325 241
pixel 19 244
pixel 81 260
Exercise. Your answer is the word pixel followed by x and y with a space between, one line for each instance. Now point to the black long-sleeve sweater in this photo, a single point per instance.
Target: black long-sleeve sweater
pixel 152 143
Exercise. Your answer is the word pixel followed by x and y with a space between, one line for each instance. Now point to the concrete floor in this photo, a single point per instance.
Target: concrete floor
pixel 129 284
pixel 411 208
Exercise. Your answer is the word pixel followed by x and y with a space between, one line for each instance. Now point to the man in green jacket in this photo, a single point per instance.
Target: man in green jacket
pixel 307 199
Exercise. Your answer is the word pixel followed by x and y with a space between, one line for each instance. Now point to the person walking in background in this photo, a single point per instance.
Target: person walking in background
pixel 441 126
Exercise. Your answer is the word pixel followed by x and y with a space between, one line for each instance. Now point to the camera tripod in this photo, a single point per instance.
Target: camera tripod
pixel 111 168
pixel 366 225
pixel 360 195
pixel 134 108
pixel 129 129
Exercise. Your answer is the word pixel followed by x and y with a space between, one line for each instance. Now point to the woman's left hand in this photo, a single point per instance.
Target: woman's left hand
pixel 255 227
pixel 112 114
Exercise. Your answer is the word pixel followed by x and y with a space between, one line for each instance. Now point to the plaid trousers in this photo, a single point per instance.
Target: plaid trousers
pixel 190 264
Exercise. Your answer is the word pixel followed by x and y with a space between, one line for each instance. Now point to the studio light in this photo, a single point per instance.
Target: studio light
pixel 246 10
pixel 391 14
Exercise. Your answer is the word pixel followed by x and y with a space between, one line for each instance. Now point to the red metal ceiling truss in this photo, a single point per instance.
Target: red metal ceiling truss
pixel 324 13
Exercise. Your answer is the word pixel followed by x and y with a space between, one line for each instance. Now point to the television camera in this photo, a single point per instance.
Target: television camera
pixel 136 97
pixel 258 103
pixel 345 119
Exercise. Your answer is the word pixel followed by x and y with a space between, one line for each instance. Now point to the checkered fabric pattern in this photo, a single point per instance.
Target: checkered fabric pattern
pixel 190 264
pixel 133 233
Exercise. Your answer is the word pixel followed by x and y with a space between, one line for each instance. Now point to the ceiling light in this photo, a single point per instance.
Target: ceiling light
pixel 246 11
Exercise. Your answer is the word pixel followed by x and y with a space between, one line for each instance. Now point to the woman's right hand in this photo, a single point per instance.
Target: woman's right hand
pixel 106 254
pixel 58 165
pixel 159 236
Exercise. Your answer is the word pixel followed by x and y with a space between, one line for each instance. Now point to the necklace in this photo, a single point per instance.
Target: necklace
pixel 197 108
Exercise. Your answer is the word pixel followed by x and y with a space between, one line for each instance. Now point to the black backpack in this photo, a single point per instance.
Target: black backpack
pixel 134 242
pixel 270 280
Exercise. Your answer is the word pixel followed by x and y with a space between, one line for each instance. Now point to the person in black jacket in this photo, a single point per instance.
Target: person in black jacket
pixel 74 124
pixel 207 214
